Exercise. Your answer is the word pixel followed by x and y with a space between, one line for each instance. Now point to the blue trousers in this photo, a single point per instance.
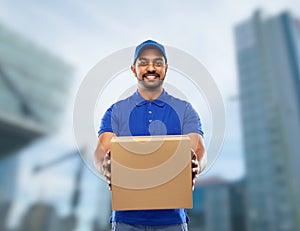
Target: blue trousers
pixel 118 226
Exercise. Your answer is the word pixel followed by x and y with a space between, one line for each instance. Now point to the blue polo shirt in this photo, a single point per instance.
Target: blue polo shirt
pixel 135 116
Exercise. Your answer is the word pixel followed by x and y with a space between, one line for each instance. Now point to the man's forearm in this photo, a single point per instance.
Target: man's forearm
pixel 197 145
pixel 203 162
pixel 98 159
pixel 103 147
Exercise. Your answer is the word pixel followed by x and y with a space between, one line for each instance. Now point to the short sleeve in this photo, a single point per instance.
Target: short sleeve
pixel 191 121
pixel 108 122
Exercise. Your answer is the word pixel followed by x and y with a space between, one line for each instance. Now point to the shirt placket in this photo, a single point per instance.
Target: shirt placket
pixel 149 113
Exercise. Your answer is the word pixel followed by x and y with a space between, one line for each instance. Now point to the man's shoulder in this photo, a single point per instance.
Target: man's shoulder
pixel 175 99
pixel 125 102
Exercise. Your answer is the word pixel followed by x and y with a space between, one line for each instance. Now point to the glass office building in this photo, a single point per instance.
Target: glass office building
pixel 40 216
pixel 267 51
pixel 33 91
pixel 218 205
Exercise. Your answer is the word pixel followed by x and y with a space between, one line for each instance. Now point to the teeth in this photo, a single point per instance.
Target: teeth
pixel 150 77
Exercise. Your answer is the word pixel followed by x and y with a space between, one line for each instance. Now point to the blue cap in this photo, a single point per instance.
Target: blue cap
pixel 149 44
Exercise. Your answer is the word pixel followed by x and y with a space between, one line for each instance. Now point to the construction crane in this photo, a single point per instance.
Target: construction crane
pixel 69 222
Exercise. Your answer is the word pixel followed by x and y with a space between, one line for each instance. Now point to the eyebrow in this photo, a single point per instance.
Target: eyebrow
pixel 142 58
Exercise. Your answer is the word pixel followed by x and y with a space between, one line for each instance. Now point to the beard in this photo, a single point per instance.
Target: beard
pixel 151 84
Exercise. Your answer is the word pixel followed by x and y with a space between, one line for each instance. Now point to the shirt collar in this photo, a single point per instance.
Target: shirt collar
pixel 160 101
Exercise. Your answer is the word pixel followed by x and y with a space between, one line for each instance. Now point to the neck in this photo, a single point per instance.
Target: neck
pixel 150 95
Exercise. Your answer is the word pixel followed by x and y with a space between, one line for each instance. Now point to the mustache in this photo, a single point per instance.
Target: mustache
pixel 151 73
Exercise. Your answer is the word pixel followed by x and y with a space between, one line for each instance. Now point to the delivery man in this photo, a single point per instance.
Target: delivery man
pixel 150 111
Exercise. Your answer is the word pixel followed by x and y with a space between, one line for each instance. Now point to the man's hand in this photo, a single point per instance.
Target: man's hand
pixel 199 156
pixel 102 155
pixel 106 169
pixel 195 168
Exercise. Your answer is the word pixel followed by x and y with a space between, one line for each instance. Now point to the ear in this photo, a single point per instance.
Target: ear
pixel 133 70
pixel 166 68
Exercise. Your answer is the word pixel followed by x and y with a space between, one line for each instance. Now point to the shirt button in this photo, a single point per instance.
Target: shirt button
pixel 150 112
pixel 150 121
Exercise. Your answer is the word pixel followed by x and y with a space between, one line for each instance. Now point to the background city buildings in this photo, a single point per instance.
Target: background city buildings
pixel 216 199
pixel 33 90
pixel 254 188
pixel 33 93
pixel 268 63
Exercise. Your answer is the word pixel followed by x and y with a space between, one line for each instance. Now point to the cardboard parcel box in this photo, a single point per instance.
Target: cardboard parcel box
pixel 151 172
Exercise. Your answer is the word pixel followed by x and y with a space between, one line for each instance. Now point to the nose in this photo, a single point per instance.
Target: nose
pixel 151 67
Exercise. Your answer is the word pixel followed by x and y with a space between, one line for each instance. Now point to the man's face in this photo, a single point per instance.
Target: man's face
pixel 150 69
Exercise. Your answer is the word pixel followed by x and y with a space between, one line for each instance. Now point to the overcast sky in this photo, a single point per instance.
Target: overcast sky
pixel 84 32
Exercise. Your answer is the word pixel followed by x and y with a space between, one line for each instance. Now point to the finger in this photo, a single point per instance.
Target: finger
pixel 106 158
pixel 193 154
pixel 193 185
pixel 195 163
pixel 196 169
pixel 109 165
pixel 194 175
pixel 107 175
pixel 104 166
pixel 108 181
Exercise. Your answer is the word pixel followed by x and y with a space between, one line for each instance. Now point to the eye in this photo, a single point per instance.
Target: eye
pixel 158 63
pixel 143 63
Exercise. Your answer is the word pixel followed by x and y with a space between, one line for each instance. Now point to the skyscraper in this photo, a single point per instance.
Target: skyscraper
pixel 218 205
pixel 33 91
pixel 268 52
pixel 40 216
pixel 33 95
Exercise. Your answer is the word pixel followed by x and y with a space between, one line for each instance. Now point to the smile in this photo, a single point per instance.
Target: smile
pixel 150 77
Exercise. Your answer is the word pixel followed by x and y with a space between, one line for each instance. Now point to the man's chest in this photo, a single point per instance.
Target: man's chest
pixel 150 120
